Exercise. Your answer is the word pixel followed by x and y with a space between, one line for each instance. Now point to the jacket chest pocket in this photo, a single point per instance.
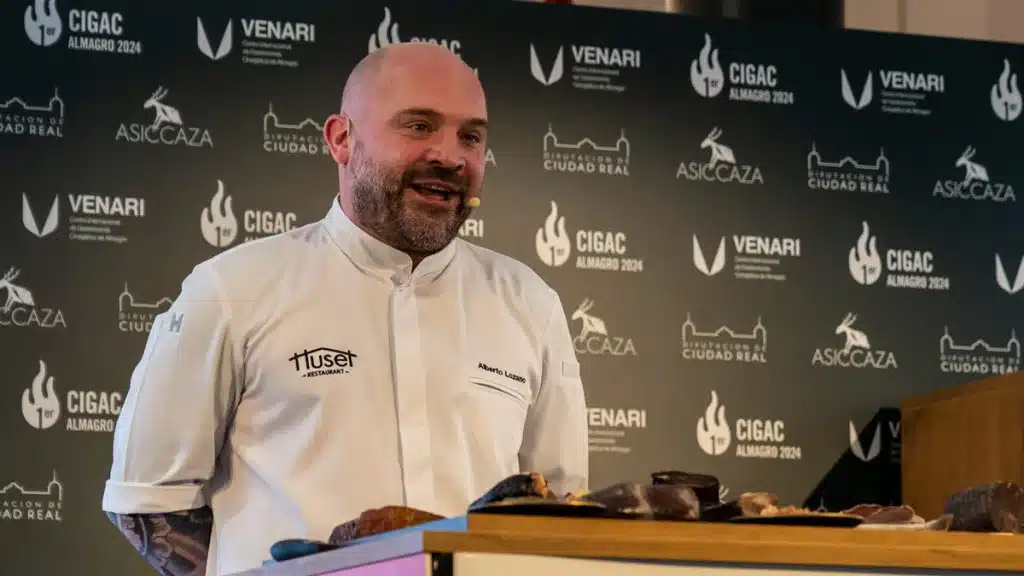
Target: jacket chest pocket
pixel 498 411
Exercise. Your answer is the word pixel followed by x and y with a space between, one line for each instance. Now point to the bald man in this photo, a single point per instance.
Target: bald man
pixel 369 359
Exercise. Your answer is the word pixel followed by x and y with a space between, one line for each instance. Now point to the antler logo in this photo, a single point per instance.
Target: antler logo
pixel 854 338
pixel 973 170
pixel 15 294
pixel 557 69
pixel 719 152
pixel 701 264
pixel 164 112
pixel 1004 281
pixel 218 223
pixel 552 241
pixel 40 406
pixel 873 450
pixel 1006 98
pixel 28 219
pixel 43 25
pixel 865 93
pixel 591 324
pixel 203 41
pixel 713 434
pixel 706 73
pixel 864 262
pixel 387 33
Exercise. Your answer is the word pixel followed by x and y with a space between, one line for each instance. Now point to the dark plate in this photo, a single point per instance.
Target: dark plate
pixel 823 520
pixel 542 507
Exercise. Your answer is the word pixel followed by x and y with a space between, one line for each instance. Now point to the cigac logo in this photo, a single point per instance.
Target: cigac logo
pixel 323 361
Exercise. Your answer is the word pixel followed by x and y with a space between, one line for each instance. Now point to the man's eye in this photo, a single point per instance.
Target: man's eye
pixel 419 126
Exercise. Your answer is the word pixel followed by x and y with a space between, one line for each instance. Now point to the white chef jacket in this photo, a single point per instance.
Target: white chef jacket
pixel 301 379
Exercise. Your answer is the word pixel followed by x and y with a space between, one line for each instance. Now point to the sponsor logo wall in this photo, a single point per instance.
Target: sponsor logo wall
pixel 756 253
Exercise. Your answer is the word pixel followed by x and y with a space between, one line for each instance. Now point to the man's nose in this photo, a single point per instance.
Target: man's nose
pixel 446 149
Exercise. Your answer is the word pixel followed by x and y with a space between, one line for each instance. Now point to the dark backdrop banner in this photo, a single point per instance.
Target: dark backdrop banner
pixel 762 235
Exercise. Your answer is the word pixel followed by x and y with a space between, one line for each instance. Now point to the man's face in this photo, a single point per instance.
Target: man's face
pixel 416 155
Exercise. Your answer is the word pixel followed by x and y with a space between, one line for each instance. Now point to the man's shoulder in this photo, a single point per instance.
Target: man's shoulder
pixel 264 258
pixel 505 271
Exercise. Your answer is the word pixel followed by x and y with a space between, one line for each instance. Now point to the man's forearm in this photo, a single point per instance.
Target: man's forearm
pixel 175 544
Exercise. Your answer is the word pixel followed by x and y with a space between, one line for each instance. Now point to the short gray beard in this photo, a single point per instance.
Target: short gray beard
pixel 377 204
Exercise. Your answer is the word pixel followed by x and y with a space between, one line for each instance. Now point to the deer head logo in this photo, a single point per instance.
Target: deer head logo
pixel 15 294
pixel 854 338
pixel 164 112
pixel 974 171
pixel 591 324
pixel 719 152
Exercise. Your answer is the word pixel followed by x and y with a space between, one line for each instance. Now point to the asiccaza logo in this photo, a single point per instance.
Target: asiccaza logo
pixel 857 351
pixel 721 167
pixel 20 309
pixel 167 128
pixel 596 249
pixel 594 339
pixel 754 437
pixel 905 268
pixel 976 183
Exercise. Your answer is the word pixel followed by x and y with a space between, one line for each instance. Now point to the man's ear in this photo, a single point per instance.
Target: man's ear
pixel 337 134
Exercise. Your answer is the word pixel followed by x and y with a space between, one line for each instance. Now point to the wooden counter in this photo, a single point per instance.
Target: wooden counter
pixel 692 542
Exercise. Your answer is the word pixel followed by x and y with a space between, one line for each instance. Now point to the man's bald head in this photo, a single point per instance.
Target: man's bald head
pixel 370 75
pixel 410 143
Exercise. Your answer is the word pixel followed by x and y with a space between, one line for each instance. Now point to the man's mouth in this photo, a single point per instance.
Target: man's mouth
pixel 437 190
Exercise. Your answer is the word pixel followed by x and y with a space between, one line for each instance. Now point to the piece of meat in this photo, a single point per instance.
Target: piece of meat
pixel 993 507
pixel 516 486
pixel 755 503
pixel 893 515
pixel 705 486
pixel 657 501
pixel 863 510
pixel 380 520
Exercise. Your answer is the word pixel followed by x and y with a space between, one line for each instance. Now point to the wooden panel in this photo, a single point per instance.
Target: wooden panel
pixel 962 436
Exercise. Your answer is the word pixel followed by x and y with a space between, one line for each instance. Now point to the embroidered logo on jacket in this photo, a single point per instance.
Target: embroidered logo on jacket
pixel 323 361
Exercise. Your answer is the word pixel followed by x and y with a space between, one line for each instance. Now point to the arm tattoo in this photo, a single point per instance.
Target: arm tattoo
pixel 175 544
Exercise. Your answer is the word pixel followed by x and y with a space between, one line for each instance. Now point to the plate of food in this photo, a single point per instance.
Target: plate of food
pixel 537 506
pixel 793 516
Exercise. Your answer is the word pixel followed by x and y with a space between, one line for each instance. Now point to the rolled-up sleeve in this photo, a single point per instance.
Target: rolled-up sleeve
pixel 555 439
pixel 181 397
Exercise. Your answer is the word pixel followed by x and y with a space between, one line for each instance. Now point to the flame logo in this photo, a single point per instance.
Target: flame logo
pixel 219 225
pixel 40 406
pixel 713 434
pixel 553 246
pixel 705 71
pixel 387 33
pixel 43 25
pixel 1006 99
pixel 865 264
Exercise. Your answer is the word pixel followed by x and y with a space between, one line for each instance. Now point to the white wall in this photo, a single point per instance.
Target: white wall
pixel 995 20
